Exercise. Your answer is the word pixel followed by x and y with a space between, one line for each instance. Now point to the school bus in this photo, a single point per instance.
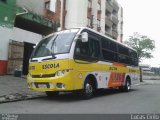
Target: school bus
pixel 81 59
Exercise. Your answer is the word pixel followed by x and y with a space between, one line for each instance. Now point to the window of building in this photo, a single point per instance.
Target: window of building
pixel 99 6
pixel 90 22
pixel 89 3
pixel 99 1
pixel 47 5
pixel 99 10
pixel 109 1
pixel 98 23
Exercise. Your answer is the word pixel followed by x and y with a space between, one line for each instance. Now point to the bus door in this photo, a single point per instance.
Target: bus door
pixel 86 56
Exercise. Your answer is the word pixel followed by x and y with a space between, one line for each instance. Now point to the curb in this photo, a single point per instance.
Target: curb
pixel 141 83
pixel 152 82
pixel 18 97
pixel 144 83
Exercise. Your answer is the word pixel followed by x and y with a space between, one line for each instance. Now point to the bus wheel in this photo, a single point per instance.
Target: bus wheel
pixel 52 94
pixel 127 86
pixel 88 90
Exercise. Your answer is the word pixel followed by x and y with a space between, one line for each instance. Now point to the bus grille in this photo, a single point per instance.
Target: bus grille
pixel 43 76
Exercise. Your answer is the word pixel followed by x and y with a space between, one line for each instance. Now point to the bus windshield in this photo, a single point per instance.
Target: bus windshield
pixel 56 44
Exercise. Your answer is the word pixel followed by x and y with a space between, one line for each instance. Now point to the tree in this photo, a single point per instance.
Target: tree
pixel 142 44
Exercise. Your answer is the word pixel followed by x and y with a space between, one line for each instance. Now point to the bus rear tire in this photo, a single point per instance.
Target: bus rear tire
pixel 127 86
pixel 51 94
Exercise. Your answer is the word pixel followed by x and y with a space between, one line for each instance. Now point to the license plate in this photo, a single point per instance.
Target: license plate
pixel 42 86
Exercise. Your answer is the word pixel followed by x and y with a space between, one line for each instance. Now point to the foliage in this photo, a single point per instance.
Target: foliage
pixel 142 44
pixel 155 70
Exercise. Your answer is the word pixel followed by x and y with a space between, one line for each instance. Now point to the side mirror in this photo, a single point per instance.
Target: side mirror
pixel 84 37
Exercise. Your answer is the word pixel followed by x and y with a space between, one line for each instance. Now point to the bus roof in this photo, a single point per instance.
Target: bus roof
pixel 82 28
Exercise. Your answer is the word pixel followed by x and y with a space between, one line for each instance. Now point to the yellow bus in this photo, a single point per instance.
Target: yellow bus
pixel 83 60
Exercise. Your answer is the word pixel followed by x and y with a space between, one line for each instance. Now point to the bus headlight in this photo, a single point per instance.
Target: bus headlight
pixel 61 72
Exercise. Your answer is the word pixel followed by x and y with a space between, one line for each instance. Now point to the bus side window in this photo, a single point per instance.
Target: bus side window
pixel 94 49
pixel 83 50
pixel 77 50
pixel 87 50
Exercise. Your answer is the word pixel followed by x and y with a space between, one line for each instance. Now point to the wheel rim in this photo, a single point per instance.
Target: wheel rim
pixel 88 89
pixel 128 86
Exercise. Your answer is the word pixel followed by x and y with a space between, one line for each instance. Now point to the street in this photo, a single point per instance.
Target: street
pixel 142 99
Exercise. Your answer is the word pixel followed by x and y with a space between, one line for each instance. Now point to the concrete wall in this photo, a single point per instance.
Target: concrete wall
pixel 25 36
pixel 6 34
pixel 120 25
pixel 103 7
pixel 31 5
pixel 76 13
pixel 94 12
pixel 16 34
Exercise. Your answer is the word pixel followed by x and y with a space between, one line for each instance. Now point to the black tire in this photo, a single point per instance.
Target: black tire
pixel 52 94
pixel 127 86
pixel 121 88
pixel 88 90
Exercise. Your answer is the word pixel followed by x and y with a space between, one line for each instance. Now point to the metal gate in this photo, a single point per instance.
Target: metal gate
pixel 15 56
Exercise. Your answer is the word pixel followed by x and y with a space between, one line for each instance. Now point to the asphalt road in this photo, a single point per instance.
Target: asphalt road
pixel 142 99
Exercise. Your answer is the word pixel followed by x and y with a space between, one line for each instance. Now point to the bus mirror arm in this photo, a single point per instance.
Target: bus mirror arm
pixel 83 37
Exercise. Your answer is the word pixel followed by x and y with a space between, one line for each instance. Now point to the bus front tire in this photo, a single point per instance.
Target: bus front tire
pixel 88 90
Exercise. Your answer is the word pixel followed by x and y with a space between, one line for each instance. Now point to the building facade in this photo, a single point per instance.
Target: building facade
pixel 105 16
pixel 120 25
pixel 23 23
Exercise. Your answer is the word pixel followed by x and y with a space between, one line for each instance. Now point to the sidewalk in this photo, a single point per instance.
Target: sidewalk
pixel 15 88
pixel 151 81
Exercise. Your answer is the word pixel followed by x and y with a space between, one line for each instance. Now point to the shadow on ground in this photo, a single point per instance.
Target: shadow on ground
pixel 71 97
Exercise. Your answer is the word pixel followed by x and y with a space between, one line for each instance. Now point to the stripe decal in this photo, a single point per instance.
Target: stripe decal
pixel 116 79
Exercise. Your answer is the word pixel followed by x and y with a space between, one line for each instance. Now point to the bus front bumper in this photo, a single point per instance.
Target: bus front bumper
pixel 60 83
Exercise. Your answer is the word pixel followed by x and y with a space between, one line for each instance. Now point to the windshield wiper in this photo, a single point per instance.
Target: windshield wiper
pixel 53 57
